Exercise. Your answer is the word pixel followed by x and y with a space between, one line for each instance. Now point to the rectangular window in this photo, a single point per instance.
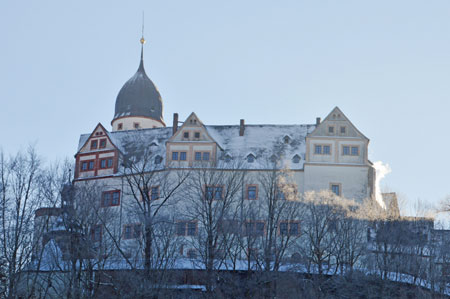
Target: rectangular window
pixel 197 135
pixel 252 192
pixel 186 135
pixel 331 130
pixel 103 163
pixel 289 228
pixel 182 156
pixel 84 166
pixel 318 149
pixel 186 228
pixel 343 130
pixel 336 189
pixel 205 156
pixel 91 165
pixel 198 156
pixel 102 143
pixel 326 150
pixel 355 151
pixel 254 228
pixel 93 144
pixel 132 231
pixel 96 233
pixel 110 198
pixel 120 126
pixel 110 162
pixel 174 156
pixel 154 193
pixel 346 150
pixel 213 192
pixel 136 125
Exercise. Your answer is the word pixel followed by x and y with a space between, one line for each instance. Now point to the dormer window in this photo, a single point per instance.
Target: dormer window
pixel 251 158
pixel 273 158
pixel 343 130
pixel 153 144
pixel 158 159
pixel 296 159
pixel 227 158
pixel 286 139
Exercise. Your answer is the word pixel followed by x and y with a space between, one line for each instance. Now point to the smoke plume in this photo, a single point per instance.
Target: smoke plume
pixel 381 171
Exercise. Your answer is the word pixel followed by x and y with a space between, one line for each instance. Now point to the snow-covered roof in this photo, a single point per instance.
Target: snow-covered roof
pixel 263 141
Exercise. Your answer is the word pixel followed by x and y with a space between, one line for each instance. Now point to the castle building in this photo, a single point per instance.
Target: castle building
pixel 327 155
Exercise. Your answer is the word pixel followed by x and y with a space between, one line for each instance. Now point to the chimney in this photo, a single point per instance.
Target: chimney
pixel 175 123
pixel 317 121
pixel 241 127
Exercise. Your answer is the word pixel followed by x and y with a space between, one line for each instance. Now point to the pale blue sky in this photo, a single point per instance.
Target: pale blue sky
pixel 386 64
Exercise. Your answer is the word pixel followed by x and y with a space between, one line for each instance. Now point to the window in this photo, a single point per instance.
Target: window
pixel 289 228
pixel 296 159
pixel 214 192
pixel 322 149
pixel 191 253
pixel 110 198
pixel 254 228
pixel 93 144
pixel 103 163
pixel 186 228
pixel 346 150
pixel 174 156
pixel 205 156
pixel 197 135
pixel 154 193
pixel 182 156
pixel 186 135
pixel 227 158
pixel 252 192
pixel 318 149
pixel 91 165
pixel 286 139
pixel 109 162
pixel 343 130
pixel 281 195
pixel 102 143
pixel 250 158
pixel 136 125
pixel 336 189
pixel 331 129
pixel 84 166
pixel 355 151
pixel 158 159
pixel 96 233
pixel 132 231
pixel 198 156
pixel 120 126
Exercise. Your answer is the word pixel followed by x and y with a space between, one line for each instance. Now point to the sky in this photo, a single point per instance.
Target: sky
pixel 386 64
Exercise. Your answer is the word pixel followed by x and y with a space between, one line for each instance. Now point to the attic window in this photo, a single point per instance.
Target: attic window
pixel 93 144
pixel 102 143
pixel 286 139
pixel 158 159
pixel 296 159
pixel 343 130
pixel 250 158
pixel 186 135
pixel 153 144
pixel 331 129
pixel 227 158
pixel 197 135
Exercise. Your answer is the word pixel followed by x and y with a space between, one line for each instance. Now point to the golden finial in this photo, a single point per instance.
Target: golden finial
pixel 142 40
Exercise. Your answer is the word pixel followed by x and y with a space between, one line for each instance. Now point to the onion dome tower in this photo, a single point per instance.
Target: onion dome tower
pixel 138 104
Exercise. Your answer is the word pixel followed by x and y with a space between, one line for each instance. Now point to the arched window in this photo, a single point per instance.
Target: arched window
pixel 251 158
pixel 286 139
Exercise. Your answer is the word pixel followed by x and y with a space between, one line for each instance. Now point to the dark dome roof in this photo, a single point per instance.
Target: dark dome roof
pixel 139 97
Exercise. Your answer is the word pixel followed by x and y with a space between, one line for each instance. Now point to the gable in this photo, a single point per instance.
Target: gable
pixel 98 140
pixel 192 130
pixel 336 124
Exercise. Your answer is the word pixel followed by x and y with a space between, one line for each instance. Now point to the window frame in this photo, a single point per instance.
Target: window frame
pixel 185 225
pixel 247 187
pixel 339 185
pixel 175 155
pixel 94 144
pixel 110 202
pixel 93 233
pixel 102 143
pixel 289 224
pixel 331 130
pixel 214 192
pixel 134 233
pixel 322 146
pixel 150 196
